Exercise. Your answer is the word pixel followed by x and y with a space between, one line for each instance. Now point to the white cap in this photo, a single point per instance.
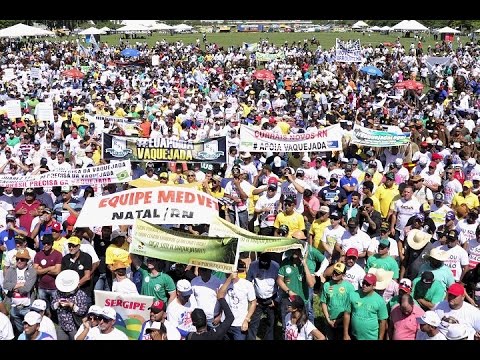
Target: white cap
pixel 398 161
pixel 457 332
pixel 39 304
pixel 32 318
pixel 109 313
pixel 471 161
pixel 456 145
pixel 95 309
pixel 344 160
pixel 277 161
pixel 184 287
pixel 430 318
pixel 28 161
pixel 246 155
pixel 306 158
pixel 154 326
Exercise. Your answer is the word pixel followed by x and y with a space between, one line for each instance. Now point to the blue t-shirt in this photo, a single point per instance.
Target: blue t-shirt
pixel 41 336
pixel 7 238
pixel 350 181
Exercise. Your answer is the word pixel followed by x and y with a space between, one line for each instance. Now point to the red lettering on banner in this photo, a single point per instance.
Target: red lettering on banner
pixel 132 305
pixel 103 203
pixel 179 197
pixel 201 199
pixel 189 198
pixel 164 197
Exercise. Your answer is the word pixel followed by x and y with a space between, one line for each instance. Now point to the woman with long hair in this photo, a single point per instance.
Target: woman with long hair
pixel 298 327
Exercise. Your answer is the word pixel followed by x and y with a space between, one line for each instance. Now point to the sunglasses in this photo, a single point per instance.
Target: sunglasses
pixel 22 260
pixel 72 245
pixel 288 204
pixel 94 317
pixel 190 175
pixel 336 273
pixel 364 283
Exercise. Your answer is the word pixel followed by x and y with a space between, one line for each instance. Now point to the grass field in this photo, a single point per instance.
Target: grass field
pixel 326 39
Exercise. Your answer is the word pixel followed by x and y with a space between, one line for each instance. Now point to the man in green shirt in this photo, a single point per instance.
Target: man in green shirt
pixel 427 291
pixel 366 312
pixel 156 283
pixel 382 260
pixel 334 301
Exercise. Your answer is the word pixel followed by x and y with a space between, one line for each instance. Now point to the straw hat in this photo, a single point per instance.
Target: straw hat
pixel 384 277
pixel 437 254
pixel 417 239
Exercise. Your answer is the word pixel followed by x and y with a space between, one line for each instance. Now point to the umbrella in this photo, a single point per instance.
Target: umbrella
pixel 409 85
pixel 371 70
pixel 130 52
pixel 73 73
pixel 263 75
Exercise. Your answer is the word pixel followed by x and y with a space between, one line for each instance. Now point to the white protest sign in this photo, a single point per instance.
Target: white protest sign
pixel 8 74
pixel 44 111
pixel 13 109
pixel 35 73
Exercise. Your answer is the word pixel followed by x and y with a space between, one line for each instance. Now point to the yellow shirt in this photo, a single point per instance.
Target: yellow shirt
pixel 284 127
pixel 385 197
pixel 97 155
pixel 120 112
pixel 59 244
pixel 471 200
pixel 294 222
pixel 376 179
pixel 115 253
pixel 376 204
pixel 317 229
pixel 76 118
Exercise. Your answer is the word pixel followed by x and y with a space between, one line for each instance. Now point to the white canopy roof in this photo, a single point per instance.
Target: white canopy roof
pixel 386 28
pixel 409 25
pixel 359 24
pixel 375 28
pixel 91 31
pixel 161 27
pixel 182 27
pixel 105 28
pixel 22 30
pixel 447 30
pixel 145 23
pixel 477 30
pixel 132 28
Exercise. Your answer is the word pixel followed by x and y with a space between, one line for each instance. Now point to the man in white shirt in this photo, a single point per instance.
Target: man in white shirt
pixel 457 256
pixel 46 325
pixel 180 309
pixel 106 328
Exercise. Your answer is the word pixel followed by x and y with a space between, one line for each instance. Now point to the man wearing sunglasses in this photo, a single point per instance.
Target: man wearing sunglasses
pixel 366 312
pixel 89 322
pixel 19 285
pixel 105 330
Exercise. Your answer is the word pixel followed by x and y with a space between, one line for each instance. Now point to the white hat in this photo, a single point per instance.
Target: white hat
pixel 28 161
pixel 79 162
pixel 437 254
pixel 39 304
pixel 246 155
pixel 471 161
pixel 277 161
pixel 67 281
pixel 476 177
pixel 306 158
pixel 12 132
pixel 384 277
pixel 430 318
pixel 184 287
pixel 109 313
pixel 399 161
pixel 457 332
pixel 344 160
pixel 95 309
pixel 417 239
pixel 88 149
pixel 324 209
pixel 32 318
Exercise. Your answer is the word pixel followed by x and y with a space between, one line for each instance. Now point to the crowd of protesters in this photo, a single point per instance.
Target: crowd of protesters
pixel 391 235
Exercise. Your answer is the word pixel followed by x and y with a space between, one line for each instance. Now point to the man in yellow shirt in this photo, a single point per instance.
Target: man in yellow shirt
pixel 385 193
pixel 318 226
pixel 59 240
pixel 289 217
pixel 118 249
pixel 466 197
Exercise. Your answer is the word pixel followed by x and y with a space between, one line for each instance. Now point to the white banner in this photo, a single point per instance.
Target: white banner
pixel 35 73
pixel 102 174
pixel 326 139
pixel 8 74
pixel 132 310
pixel 165 205
pixel 128 125
pixel 44 111
pixel 13 109
pixel 348 51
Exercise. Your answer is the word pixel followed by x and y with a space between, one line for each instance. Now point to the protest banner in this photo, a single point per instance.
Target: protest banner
pixel 132 310
pixel 35 73
pixel 259 56
pixel 117 172
pixel 164 205
pixel 160 149
pixel 44 111
pixel 248 241
pixel 378 138
pixel 348 51
pixel 326 139
pixel 8 74
pixel 219 254
pixel 13 109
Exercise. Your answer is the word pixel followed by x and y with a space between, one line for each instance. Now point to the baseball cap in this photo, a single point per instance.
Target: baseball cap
pixel 157 306
pixel 109 313
pixel 66 188
pixel 335 215
pixel 290 199
pixel 427 277
pixel 29 191
pixel 456 289
pixel 370 279
pixel 74 240
pixel 437 156
pixel 352 252
pixel 348 167
pixel 39 305
pixel 468 184
pixel 450 215
pixel 324 209
pixel 117 233
pixel 439 197
pixel 432 165
pixel 352 222
pixel 339 268
pixel 384 243
pixel 184 287
pixel 471 161
pixel 420 217
pixel 370 172
pixel 95 309
pixel 10 217
pixel 390 176
pixel 272 186
pixel 272 180
pixel 405 285
pixel 32 318
pixel 163 175
pixel 429 317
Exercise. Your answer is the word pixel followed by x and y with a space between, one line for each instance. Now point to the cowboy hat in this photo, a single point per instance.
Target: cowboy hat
pixel 438 254
pixel 384 277
pixel 417 239
pixel 67 281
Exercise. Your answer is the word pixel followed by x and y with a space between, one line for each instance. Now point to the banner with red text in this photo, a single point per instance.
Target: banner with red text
pixel 325 139
pixel 165 205
pixel 116 172
pixel 132 310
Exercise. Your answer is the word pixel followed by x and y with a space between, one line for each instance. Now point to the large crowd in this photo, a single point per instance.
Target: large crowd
pixel 391 234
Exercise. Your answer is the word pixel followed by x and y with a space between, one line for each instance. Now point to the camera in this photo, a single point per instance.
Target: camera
pixel 361 208
pixel 283 230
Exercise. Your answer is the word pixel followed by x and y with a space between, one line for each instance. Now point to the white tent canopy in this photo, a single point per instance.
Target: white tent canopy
pixel 447 30
pixel 375 28
pixel 161 27
pixel 385 28
pixel 22 30
pixel 144 23
pixel 359 25
pixel 182 27
pixel 409 25
pixel 133 28
pixel 477 30
pixel 105 28
pixel 92 31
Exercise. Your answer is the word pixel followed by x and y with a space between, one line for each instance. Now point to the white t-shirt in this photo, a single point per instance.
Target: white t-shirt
pixel 359 241
pixel 6 329
pixel 239 294
pixel 115 334
pixel 125 286
pixel 405 210
pixel 205 294
pixel 172 331
pixel 466 231
pixel 450 188
pixel 47 326
pixel 393 250
pixel 473 253
pixel 267 219
pixel 264 280
pixel 331 236
pixel 355 275
pixel 467 314
pixel 288 189
pixel 423 336
pixel 292 333
pixel 457 257
pixel 231 189
pixel 180 315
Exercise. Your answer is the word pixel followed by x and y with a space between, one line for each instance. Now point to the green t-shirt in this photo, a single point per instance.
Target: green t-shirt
pixel 387 263
pixel 443 274
pixel 366 311
pixel 157 286
pixel 314 257
pixel 336 297
pixel 294 278
pixel 434 294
